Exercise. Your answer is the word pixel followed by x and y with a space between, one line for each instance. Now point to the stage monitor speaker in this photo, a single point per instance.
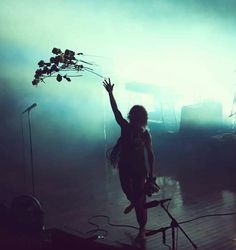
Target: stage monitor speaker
pixel 27 214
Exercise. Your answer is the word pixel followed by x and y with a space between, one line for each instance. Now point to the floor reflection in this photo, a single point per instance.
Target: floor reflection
pixel 198 175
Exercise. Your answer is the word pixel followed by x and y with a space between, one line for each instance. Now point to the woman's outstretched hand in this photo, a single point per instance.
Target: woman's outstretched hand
pixel 108 86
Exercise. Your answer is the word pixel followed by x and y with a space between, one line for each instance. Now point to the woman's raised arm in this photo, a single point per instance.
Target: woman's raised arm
pixel 109 88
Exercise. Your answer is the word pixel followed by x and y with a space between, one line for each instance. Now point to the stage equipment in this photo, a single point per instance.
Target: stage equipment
pixel 143 88
pixel 173 225
pixel 31 146
pixel 163 115
pixel 233 112
pixel 29 108
pixel 201 116
pixel 62 62
pixel 27 214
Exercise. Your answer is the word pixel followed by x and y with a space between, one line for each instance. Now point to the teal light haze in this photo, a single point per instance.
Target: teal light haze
pixel 186 48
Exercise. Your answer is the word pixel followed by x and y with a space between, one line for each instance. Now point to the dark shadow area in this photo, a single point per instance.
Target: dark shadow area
pixel 74 182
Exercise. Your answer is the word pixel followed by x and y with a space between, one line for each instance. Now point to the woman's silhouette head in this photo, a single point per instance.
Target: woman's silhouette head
pixel 138 116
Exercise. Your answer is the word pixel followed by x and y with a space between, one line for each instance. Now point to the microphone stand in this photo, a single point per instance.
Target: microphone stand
pixel 174 224
pixel 31 153
pixel 31 146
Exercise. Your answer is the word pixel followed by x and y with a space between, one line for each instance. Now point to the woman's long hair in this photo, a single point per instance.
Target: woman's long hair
pixel 113 154
pixel 138 117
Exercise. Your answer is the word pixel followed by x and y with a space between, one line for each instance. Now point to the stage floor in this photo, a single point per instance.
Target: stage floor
pixel 70 197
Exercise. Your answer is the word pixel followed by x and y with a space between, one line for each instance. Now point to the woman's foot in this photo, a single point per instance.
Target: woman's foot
pixel 129 208
pixel 141 234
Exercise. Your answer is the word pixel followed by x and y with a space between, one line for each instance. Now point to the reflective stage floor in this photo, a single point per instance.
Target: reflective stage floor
pixel 70 196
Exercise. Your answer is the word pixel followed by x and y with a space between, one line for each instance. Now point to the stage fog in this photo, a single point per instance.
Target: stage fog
pixel 177 60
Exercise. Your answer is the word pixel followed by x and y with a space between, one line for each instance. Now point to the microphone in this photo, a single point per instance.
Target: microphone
pixel 155 203
pixel 152 232
pixel 29 108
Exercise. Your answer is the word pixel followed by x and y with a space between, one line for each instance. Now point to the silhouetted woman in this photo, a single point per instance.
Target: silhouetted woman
pixel 129 154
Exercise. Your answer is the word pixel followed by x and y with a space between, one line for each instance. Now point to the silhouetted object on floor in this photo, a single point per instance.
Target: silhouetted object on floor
pixel 22 224
pixel 27 214
pixel 173 225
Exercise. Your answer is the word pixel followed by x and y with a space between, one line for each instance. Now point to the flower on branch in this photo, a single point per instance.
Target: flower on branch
pixel 60 62
pixel 67 78
pixel 59 78
pixel 56 51
pixel 41 63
